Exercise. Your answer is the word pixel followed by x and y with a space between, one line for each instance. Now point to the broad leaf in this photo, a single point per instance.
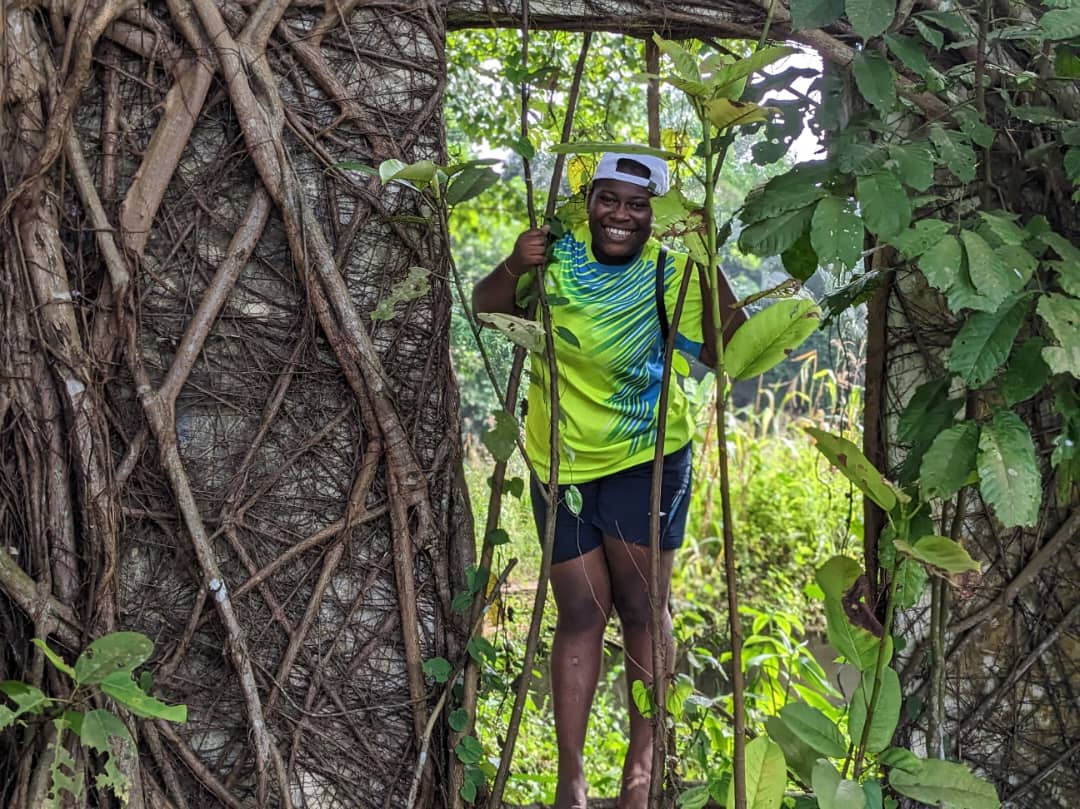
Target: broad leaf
pixel 27 699
pixel 932 35
pixel 725 113
pixel 469 750
pixel 770 237
pixel 850 460
pixel 945 783
pixel 914 164
pixel 815 13
pixel 104 732
pixel 523 332
pixel 470 183
pixel 1004 227
pixel 1008 471
pixel 799 187
pixel 729 81
pixel 1062 23
pixel 834 791
pixel 886 710
pixel 910 52
pixel 955 152
pixel 595 147
pixel 942 264
pixel 422 172
pixel 769 337
pixel 766 775
pixel 814 729
pixel 989 274
pixel 983 344
pixel 836 232
pixel 121 687
pixel 438 668
pixel 800 260
pixel 870 17
pixel 1062 314
pixel 411 287
pixel 1026 373
pixel 798 755
pixel 911 578
pixel 117 651
pixel 836 576
pixel 885 206
pixel 54 658
pixel 902 759
pixel 857 645
pixel 502 438
pixel 940 552
pixel 949 461
pixel 874 77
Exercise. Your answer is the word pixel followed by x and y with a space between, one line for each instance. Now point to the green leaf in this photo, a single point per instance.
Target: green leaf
pixel 833 791
pixel 1061 23
pixel 874 796
pixel 573 500
pixel 874 77
pixel 798 756
pixel 27 699
pixel 103 731
pixel 770 336
pixel 886 710
pixel 1004 227
pixel 850 460
pixel 932 36
pixel 1062 315
pixel 989 274
pixel 815 13
pixel 930 403
pixel 915 164
pixel 917 240
pixel 523 332
pixel 771 237
pixel 117 651
pixel 885 206
pixel 438 668
pixel 642 696
pixel 910 52
pixel 63 769
pixel 942 264
pixel 413 286
pixel 515 487
pixel 911 578
pixel 857 645
pixel 596 147
pixel 800 260
pixel 955 152
pixel 1063 360
pixel 983 344
pixel 799 187
pixel 949 461
pixel 870 17
pixel 469 750
pixel 567 335
pixel 462 602
pixel 470 183
pixel 54 658
pixel 694 798
pixel 836 232
pixel 836 576
pixel 1026 373
pixel 422 172
pixel 120 686
pixel 498 537
pixel 766 775
pixel 501 440
pixel 813 728
pixel 940 552
pixel 730 80
pixel 902 759
pixel 725 113
pixel 1009 473
pixel 945 783
pixel 950 21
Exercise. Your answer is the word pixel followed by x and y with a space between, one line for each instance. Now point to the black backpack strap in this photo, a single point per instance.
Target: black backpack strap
pixel 661 308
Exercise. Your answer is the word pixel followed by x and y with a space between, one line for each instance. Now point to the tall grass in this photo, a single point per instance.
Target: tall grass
pixel 791 511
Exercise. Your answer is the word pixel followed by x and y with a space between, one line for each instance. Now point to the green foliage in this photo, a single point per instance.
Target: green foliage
pixel 769 337
pixel 105 668
pixel 945 783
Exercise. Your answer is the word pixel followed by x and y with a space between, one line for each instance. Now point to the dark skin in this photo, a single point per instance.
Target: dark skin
pixel 615 575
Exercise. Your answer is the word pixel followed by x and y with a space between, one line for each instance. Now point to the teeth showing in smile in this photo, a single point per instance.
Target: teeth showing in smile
pixel 618 234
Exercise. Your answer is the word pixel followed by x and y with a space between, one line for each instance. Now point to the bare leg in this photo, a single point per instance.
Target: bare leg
pixel 628 565
pixel 583 595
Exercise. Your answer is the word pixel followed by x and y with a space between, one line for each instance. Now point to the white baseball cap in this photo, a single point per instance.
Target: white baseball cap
pixel 657 182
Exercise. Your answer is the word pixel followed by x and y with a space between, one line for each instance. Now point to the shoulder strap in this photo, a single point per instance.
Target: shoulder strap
pixel 661 307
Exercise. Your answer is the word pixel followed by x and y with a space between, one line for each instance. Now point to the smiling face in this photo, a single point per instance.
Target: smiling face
pixel 620 219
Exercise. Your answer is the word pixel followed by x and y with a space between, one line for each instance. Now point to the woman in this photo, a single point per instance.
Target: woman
pixel 612 302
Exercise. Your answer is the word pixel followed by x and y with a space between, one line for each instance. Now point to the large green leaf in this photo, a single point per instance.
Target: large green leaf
pixel 27 699
pixel 911 578
pixel 471 182
pixel 858 646
pixel 526 333
pixel 768 337
pixel 799 187
pixel 120 686
pixel 836 232
pixel 814 729
pixel 104 732
pixel 875 78
pixel 798 755
pixel 1061 23
pixel 729 81
pixel 909 51
pixel 1062 314
pixel 870 17
pixel 800 260
pixel 1004 227
pixel 771 237
pixel 886 710
pixel 725 113
pixel 884 203
pixel 833 791
pixel 502 438
pixel 955 151
pixel 836 576
pixel 914 164
pixel 595 147
pixel 983 344
pixel 54 658
pixel 815 13
pixel 1026 373
pixel 1008 472
pixel 988 272
pixel 850 460
pixel 942 264
pixel 117 651
pixel 949 461
pixel 946 784
pixel 766 775
pixel 940 552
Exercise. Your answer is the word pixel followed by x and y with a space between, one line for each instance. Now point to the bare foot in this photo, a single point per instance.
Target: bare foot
pixel 571 794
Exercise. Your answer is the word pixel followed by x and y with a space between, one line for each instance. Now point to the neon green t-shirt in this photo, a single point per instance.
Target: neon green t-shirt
pixel 609 381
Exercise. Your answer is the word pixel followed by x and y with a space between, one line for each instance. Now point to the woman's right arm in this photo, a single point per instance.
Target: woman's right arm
pixel 497 291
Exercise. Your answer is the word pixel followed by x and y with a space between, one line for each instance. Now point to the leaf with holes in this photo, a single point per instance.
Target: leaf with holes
pixel 983 344
pixel 885 206
pixel 950 460
pixel 875 79
pixel 411 287
pixel 27 699
pixel 770 336
pixel 523 332
pixel 117 651
pixel 850 460
pixel 1008 472
pixel 104 732
pixel 836 232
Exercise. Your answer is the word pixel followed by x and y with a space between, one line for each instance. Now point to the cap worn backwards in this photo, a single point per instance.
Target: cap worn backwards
pixel 657 182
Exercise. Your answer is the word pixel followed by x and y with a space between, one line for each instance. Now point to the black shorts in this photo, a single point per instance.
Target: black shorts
pixel 617 505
